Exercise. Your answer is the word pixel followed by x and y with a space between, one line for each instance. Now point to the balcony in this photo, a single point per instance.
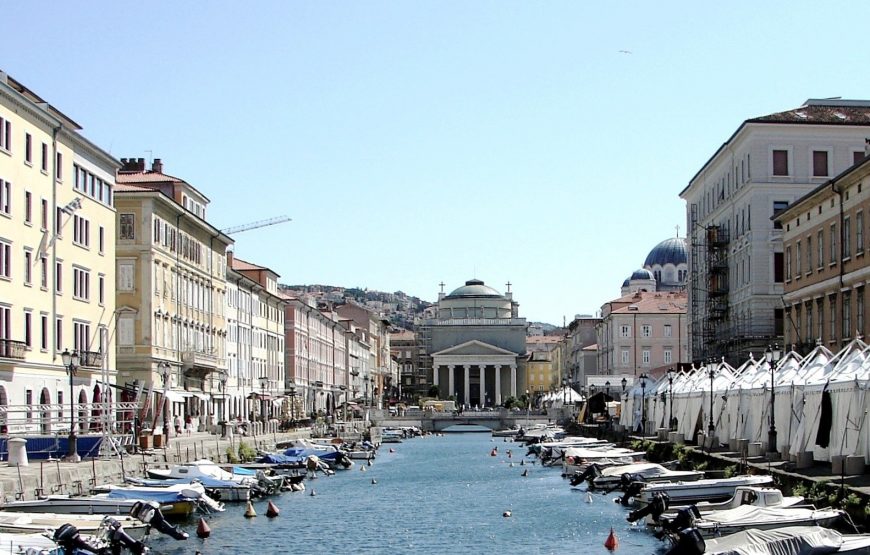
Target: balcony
pixel 199 359
pixel 90 359
pixel 12 349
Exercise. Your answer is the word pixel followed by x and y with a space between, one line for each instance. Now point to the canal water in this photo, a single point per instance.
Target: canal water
pixel 435 494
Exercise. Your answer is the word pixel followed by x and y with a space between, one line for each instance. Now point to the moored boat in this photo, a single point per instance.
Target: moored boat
pixel 791 540
pixel 682 493
pixel 746 517
pixel 31 523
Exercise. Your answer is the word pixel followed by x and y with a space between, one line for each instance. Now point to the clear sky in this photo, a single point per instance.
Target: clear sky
pixel 411 142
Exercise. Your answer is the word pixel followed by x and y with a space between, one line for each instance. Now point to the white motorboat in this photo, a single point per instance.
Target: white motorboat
pixel 34 523
pixel 577 459
pixel 17 544
pixel 214 477
pixel 683 493
pixel 743 495
pixel 179 499
pixel 791 540
pixel 746 517
pixel 622 475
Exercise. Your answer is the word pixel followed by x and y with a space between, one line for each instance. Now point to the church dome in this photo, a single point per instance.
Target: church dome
pixel 474 288
pixel 642 274
pixel 669 251
pixel 626 282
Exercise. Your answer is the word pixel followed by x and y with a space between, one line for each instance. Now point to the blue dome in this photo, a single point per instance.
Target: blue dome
pixel 626 282
pixel 669 251
pixel 642 274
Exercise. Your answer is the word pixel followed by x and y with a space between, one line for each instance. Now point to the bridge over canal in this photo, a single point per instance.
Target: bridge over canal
pixel 440 421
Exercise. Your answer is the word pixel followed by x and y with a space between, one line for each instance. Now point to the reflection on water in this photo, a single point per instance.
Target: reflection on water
pixel 432 494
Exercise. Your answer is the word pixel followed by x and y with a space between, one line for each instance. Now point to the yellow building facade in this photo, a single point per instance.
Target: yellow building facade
pixel 57 266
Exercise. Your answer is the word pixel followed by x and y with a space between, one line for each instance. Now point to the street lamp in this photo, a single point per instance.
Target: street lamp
pixel 607 388
pixel 643 404
pixel 223 383
pixel 264 381
pixel 564 391
pixel 624 383
pixel 711 371
pixel 71 362
pixel 163 369
pixel 772 356
pixel 671 404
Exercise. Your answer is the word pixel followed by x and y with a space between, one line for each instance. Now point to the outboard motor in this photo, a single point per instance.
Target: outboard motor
pixel 149 513
pixel 592 471
pixel 69 540
pixel 119 540
pixel 684 519
pixel 633 489
pixel 689 542
pixel 656 508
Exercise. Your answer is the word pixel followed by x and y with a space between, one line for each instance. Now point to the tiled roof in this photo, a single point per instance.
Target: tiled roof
pixel 122 187
pixel 820 114
pixel 654 303
pixel 543 339
pixel 146 177
pixel 239 264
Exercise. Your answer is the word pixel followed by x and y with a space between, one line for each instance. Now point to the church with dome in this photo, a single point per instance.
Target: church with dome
pixel 665 269
pixel 476 341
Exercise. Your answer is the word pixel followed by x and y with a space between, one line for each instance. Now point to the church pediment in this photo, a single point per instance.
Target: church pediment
pixel 476 348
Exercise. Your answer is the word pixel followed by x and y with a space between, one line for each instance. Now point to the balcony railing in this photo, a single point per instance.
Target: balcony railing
pixel 91 359
pixel 12 349
pixel 199 358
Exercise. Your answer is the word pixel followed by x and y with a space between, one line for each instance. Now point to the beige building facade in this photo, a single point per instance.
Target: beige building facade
pixel 57 265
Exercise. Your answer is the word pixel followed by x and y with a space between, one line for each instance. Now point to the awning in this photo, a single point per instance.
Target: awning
pixel 177 396
pixel 202 396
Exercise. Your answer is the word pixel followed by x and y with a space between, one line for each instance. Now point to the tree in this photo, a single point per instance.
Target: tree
pixel 433 391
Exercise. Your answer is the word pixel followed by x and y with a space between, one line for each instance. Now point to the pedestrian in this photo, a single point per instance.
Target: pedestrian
pixel 188 424
pixel 178 424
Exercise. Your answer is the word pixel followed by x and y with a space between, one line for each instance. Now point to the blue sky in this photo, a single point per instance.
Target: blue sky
pixel 420 142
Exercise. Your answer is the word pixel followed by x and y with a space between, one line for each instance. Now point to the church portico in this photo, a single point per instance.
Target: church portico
pixel 477 373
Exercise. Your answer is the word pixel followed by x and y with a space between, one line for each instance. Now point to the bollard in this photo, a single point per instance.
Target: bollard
pixel 18 451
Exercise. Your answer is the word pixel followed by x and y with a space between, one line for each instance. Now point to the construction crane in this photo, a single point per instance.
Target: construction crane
pixel 255 225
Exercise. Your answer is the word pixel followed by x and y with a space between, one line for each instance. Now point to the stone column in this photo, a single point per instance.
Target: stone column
pixel 467 368
pixel 451 380
pixel 497 384
pixel 482 384
pixel 514 380
pixel 435 369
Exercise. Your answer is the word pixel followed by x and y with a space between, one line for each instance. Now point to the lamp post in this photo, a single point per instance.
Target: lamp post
pixel 643 404
pixel 671 394
pixel 711 371
pixel 163 369
pixel 264 381
pixel 772 356
pixel 607 388
pixel 71 362
pixel 528 406
pixel 223 383
pixel 564 391
pixel 624 383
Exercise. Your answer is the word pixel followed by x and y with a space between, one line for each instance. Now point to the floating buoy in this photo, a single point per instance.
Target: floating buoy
pixel 505 440
pixel 506 514
pixel 589 497
pixel 249 510
pixel 522 463
pixel 611 542
pixel 511 465
pixel 272 511
pixel 313 493
pixel 202 529
pixel 509 453
pixel 493 453
pixel 362 469
pixel 392 450
pixel 370 462
pixel 525 473
pixel 374 481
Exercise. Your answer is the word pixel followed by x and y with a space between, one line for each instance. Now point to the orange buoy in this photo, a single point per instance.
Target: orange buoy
pixel 249 510
pixel 202 529
pixel 493 453
pixel 611 542
pixel 272 511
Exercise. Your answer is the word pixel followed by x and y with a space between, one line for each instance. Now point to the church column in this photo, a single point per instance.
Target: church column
pixel 465 398
pixel 482 384
pixel 451 380
pixel 514 380
pixel 435 368
pixel 497 384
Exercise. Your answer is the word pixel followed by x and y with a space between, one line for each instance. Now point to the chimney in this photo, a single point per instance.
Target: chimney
pixel 229 259
pixel 157 165
pixel 140 165
pixel 129 165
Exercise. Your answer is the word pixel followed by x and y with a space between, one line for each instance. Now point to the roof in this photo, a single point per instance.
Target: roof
pixel 474 288
pixel 127 187
pixel 654 303
pixel 670 251
pixel 147 176
pixel 403 335
pixel 540 339
pixel 825 111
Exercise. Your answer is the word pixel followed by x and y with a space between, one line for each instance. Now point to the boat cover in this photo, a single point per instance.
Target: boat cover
pixel 792 540
pixel 762 515
pixel 168 496
pixel 278 458
pixel 242 471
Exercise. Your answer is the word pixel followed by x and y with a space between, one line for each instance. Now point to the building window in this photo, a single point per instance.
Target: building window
pixel 5 322
pixel 788 263
pixel 43 330
pixel 28 148
pixel 646 330
pixel 81 231
pixel 778 206
pixel 625 331
pixel 101 288
pixel 777 267
pixel 847 237
pixel 859 232
pixel 59 168
pixel 58 221
pixel 58 333
pixel 668 356
pixel 820 244
pixel 820 305
pixel 44 165
pixel 126 227
pixel 5 134
pixel 798 259
pixel 809 253
pixel 44 215
pixel 645 357
pixel 667 330
pixel 81 336
pixel 833 243
pixel 780 162
pixel 832 306
pixel 859 306
pixel 626 358
pixel 101 238
pixel 81 284
pixel 28 207
pixel 58 277
pixel 847 314
pixel 820 163
pixel 809 311
pixel 28 266
pixel 5 198
pixel 126 275
pixel 5 260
